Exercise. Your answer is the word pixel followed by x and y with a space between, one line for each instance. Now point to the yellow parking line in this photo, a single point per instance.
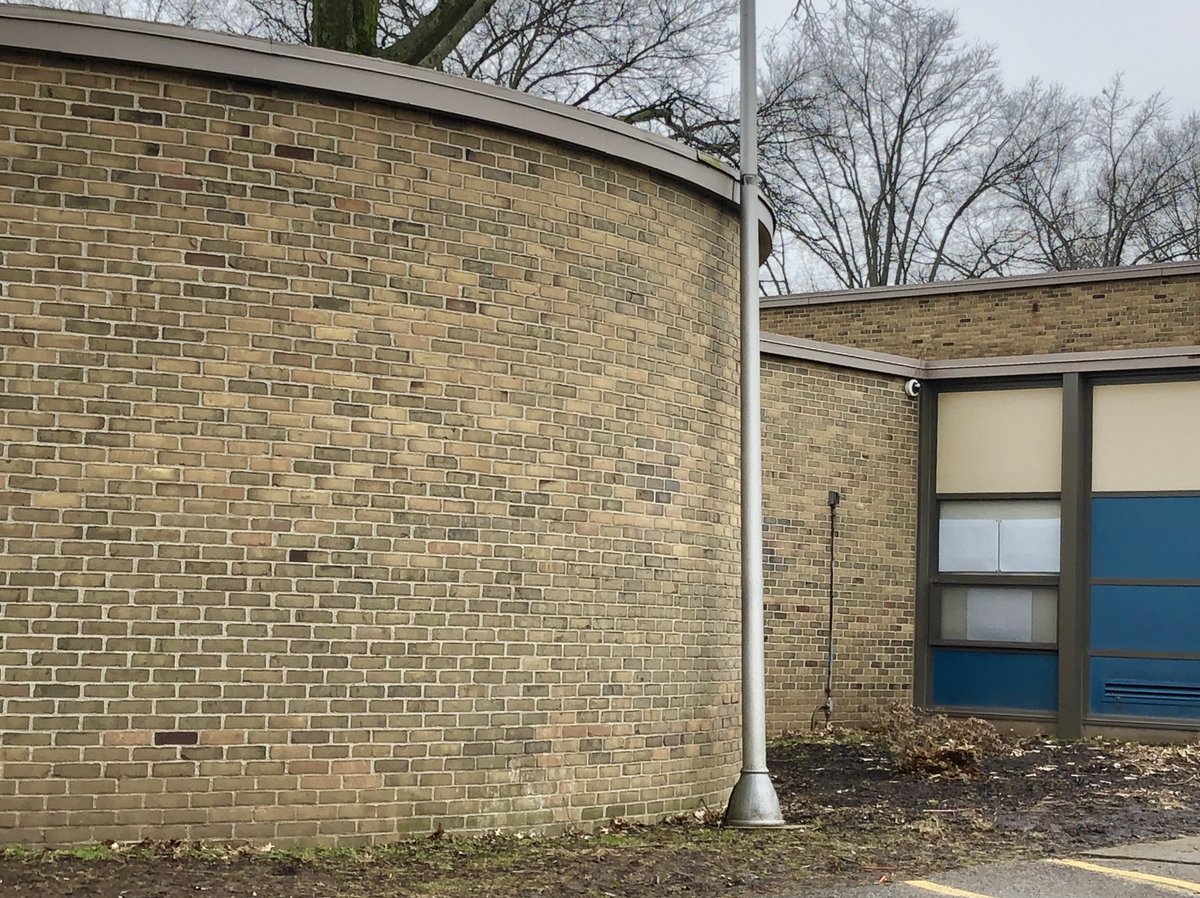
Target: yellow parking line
pixel 1165 881
pixel 943 890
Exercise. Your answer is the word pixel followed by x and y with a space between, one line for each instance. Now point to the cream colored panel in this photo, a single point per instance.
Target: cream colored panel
pixel 1146 437
pixel 1000 441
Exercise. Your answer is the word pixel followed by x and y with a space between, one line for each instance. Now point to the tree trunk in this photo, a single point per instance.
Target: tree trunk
pixel 438 32
pixel 348 25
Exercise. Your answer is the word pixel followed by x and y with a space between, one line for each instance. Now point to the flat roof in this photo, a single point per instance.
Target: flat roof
pixel 107 39
pixel 1044 280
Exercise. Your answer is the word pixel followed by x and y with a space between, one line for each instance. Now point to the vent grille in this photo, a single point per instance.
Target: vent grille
pixel 1138 692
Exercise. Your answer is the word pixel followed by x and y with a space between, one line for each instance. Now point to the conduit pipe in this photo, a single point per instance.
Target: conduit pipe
pixel 753 801
pixel 827 708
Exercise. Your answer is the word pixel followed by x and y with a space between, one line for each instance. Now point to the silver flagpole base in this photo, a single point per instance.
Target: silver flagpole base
pixel 753 802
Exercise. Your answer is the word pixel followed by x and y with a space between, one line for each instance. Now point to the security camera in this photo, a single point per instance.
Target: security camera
pixel 912 387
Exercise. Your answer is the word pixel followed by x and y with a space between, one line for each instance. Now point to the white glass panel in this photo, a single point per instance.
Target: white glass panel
pixel 966 545
pixel 1029 546
pixel 999 536
pixel 1001 509
pixel 999 614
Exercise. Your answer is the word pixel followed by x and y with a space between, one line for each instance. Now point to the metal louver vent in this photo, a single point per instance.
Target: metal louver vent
pixel 1137 692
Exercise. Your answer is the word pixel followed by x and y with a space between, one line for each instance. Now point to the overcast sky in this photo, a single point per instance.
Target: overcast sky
pixel 1078 43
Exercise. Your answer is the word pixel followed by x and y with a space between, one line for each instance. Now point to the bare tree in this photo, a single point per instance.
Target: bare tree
pixel 352 26
pixel 656 63
pixel 206 14
pixel 1115 189
pixel 430 30
pixel 649 61
pixel 1173 234
pixel 901 131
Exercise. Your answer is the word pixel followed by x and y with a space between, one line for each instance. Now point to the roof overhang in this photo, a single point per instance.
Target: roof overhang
pixel 171 47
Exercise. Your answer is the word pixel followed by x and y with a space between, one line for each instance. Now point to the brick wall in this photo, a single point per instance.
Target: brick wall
pixel 361 470
pixel 827 428
pixel 1029 321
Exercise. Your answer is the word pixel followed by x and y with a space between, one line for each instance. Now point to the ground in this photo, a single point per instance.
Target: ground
pixel 856 820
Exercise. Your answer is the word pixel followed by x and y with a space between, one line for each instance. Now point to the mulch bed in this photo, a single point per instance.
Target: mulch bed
pixel 857 820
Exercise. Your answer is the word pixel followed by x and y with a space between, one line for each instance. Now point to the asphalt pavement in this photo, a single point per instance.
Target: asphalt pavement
pixel 1150 869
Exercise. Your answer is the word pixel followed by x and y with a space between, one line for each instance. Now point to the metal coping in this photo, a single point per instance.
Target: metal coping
pixel 1046 280
pixel 839 356
pixel 254 59
pixel 1001 366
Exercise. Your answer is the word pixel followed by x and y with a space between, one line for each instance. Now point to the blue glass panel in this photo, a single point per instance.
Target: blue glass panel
pixel 1161 619
pixel 1146 538
pixel 974 678
pixel 1145 687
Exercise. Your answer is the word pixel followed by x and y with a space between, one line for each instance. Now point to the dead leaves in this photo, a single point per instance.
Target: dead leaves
pixel 926 744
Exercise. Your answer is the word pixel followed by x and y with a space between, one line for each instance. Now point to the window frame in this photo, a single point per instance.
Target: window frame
pixel 930 580
pixel 939 580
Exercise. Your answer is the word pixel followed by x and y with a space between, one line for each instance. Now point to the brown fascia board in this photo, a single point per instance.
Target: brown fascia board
pixel 1160 357
pixel 839 356
pixel 27 28
pixel 1044 280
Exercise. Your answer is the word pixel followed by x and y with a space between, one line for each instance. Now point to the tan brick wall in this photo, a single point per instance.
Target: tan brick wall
pixel 1030 321
pixel 825 429
pixel 361 470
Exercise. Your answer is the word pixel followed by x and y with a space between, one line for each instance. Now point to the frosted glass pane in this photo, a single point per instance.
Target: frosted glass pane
pixel 1029 546
pixel 1000 509
pixel 1000 615
pixel 999 536
pixel 1045 615
pixel 969 545
pixel 954 613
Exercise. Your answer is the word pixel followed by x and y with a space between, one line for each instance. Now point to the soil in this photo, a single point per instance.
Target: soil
pixel 855 820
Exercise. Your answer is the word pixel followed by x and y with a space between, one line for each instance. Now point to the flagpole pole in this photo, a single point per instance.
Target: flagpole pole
pixel 753 801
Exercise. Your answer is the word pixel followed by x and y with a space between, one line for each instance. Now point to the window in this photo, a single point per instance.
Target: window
pixel 999 537
pixel 993 592
pixel 1025 615
pixel 1002 541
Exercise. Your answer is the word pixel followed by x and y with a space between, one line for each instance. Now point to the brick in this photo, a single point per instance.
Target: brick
pixel 1127 314
pixel 866 447
pixel 854 432
pixel 359 467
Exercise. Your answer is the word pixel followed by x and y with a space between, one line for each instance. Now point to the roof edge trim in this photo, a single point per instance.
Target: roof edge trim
pixel 1159 357
pixel 1048 280
pixel 1066 363
pixel 839 356
pixel 26 28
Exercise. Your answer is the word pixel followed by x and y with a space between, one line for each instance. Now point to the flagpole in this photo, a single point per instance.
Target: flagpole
pixel 753 801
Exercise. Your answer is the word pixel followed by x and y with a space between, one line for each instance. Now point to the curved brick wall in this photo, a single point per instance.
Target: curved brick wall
pixel 363 470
